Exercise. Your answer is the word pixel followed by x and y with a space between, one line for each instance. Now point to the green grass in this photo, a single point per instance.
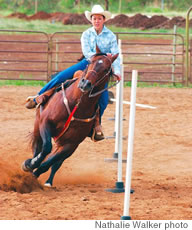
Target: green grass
pixel 159 85
pixel 22 83
pixel 37 25
pixel 126 84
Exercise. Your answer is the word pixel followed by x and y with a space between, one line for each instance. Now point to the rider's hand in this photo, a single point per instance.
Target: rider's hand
pixel 118 76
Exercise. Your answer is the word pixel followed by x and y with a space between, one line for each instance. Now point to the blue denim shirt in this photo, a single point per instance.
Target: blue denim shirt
pixel 106 41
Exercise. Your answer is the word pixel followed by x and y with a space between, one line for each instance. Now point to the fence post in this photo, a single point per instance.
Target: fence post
pixel 56 56
pixel 36 6
pixel 190 62
pixel 174 53
pixel 187 47
pixel 49 60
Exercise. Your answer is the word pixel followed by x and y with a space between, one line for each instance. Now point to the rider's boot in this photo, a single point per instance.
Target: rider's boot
pixel 30 102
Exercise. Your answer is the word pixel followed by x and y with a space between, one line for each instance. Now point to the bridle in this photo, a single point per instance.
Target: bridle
pixel 109 72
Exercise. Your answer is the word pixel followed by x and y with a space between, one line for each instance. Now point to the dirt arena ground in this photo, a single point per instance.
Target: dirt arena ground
pixel 161 175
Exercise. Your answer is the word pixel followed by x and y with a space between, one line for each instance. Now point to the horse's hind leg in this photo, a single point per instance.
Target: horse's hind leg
pixel 36 137
pixel 31 164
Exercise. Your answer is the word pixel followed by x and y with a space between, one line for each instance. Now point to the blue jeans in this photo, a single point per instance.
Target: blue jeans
pixel 68 74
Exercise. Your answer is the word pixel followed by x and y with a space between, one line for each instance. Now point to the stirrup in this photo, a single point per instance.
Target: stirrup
pixel 97 136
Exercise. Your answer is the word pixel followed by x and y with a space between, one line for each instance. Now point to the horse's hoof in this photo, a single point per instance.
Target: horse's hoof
pixel 48 185
pixel 26 166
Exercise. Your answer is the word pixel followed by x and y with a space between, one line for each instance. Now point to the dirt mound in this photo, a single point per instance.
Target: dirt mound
pixel 154 21
pixel 18 15
pixel 137 21
pixel 169 24
pixel 41 15
pixel 58 16
pixel 13 179
pixel 118 20
pixel 75 19
pixel 144 22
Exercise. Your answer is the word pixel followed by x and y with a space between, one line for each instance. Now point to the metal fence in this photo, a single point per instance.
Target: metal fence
pixel 24 55
pixel 34 55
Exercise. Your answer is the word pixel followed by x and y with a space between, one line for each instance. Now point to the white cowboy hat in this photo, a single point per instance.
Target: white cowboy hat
pixel 97 9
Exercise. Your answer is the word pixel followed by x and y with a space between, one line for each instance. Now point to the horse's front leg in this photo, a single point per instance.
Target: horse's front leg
pixel 31 164
pixel 54 169
pixel 55 161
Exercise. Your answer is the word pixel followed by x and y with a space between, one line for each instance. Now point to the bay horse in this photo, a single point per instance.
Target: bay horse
pixel 81 97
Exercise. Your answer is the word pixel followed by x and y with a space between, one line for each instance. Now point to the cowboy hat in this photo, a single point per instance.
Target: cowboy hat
pixel 97 9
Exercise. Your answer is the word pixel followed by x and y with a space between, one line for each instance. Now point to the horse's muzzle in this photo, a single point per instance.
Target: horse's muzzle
pixel 84 85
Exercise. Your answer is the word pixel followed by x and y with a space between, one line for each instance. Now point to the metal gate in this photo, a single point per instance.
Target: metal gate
pixel 24 55
pixel 158 58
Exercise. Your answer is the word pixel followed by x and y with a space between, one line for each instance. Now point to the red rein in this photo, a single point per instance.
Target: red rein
pixel 66 124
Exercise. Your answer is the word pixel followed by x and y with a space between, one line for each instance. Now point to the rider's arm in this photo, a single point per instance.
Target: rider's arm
pixel 85 45
pixel 115 50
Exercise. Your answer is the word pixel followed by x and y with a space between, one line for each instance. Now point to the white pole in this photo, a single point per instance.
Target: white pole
pixel 120 136
pixel 115 155
pixel 119 129
pixel 139 105
pixel 117 108
pixel 130 147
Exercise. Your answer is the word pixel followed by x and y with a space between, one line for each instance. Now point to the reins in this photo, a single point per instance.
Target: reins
pixel 101 91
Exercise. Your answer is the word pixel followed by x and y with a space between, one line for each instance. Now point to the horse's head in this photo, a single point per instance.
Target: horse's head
pixel 97 72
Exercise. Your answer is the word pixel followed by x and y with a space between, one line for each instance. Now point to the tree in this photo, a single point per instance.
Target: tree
pixel 77 2
pixel 106 4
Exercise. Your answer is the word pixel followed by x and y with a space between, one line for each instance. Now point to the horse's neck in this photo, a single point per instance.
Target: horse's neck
pixel 87 104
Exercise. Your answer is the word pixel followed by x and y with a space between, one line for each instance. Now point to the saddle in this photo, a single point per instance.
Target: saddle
pixel 44 98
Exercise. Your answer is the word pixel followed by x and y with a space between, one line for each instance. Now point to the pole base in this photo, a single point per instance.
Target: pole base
pixel 125 218
pixel 115 155
pixel 111 118
pixel 109 137
pixel 118 189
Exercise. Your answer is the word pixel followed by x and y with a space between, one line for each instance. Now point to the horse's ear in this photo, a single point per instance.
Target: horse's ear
pixel 97 49
pixel 114 57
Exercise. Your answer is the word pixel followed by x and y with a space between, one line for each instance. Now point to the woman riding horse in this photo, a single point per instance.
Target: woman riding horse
pixel 68 117
pixel 105 39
